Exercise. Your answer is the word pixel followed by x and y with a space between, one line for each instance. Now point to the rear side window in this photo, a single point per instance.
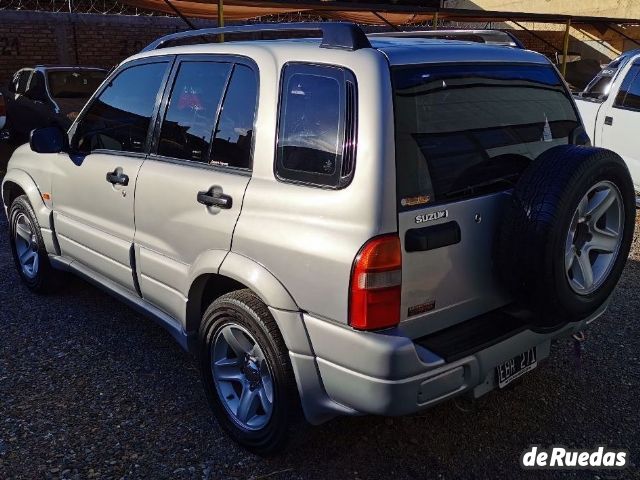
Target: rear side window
pixel 74 83
pixel 119 118
pixel 629 93
pixel 316 130
pixel 193 106
pixel 467 130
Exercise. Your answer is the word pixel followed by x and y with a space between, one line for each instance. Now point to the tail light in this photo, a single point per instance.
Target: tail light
pixel 3 106
pixel 376 284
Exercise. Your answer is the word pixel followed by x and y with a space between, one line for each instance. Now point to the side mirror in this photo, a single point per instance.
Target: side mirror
pixel 49 140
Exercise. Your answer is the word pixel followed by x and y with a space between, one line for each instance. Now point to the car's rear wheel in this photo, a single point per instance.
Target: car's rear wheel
pixel 27 246
pixel 567 233
pixel 247 373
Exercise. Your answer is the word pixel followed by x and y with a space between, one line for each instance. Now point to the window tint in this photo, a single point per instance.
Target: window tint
pixel 75 83
pixel 22 81
pixel 188 124
pixel 465 130
pixel 626 84
pixel 37 89
pixel 598 87
pixel 312 124
pixel 234 132
pixel 119 118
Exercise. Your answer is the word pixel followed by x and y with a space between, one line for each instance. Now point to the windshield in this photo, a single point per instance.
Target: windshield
pixel 598 87
pixel 466 130
pixel 74 83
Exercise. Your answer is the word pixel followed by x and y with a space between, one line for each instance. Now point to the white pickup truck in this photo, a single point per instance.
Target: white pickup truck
pixel 610 110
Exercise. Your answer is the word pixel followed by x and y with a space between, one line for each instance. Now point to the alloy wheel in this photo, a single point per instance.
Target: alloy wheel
pixel 242 377
pixel 26 244
pixel 594 238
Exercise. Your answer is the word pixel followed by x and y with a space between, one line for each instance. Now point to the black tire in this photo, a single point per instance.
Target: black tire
pixel 244 308
pixel 46 279
pixel 532 238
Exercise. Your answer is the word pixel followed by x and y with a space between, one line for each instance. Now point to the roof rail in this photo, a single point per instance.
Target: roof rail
pixel 340 35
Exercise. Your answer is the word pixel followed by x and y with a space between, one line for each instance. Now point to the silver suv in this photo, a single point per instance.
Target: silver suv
pixel 344 226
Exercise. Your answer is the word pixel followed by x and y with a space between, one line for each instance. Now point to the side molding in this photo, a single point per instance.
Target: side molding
pixel 258 279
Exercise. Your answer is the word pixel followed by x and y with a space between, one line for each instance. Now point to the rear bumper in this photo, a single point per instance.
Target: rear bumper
pixel 387 373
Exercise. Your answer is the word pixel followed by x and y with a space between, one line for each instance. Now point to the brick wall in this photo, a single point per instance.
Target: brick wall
pixel 31 38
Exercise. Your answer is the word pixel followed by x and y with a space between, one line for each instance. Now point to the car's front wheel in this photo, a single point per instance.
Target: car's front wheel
pixel 29 253
pixel 246 372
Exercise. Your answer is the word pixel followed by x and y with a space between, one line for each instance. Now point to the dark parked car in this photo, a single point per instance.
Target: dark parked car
pixel 45 96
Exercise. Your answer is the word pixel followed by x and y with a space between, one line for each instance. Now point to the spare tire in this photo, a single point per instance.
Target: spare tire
pixel 566 233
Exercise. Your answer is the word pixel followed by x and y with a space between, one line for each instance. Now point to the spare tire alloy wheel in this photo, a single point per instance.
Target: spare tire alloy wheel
pixel 594 238
pixel 26 245
pixel 242 377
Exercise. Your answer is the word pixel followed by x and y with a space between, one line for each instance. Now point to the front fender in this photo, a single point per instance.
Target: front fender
pixel 24 181
pixel 259 279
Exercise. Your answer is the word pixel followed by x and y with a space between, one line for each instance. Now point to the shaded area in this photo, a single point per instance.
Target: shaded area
pixel 89 389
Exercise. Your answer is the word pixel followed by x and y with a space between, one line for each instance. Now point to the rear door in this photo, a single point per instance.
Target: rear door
pixel 190 191
pixel 619 119
pixel 464 134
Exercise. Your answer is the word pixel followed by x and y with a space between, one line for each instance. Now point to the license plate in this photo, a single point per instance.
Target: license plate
pixel 516 367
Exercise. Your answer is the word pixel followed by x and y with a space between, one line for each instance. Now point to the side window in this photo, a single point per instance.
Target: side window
pixel 629 79
pixel 118 120
pixel 37 89
pixel 191 114
pixel 22 81
pixel 234 132
pixel 317 114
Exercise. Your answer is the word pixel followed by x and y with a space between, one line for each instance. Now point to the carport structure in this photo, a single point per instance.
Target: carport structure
pixel 402 13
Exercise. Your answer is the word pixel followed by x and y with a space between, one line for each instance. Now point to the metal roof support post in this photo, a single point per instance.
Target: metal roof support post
pixel 623 35
pixel 565 48
pixel 179 13
pixel 435 20
pixel 221 18
pixel 393 27
pixel 535 35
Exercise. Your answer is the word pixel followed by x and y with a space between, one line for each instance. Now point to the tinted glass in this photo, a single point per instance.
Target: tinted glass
pixel 119 118
pixel 37 89
pixel 624 86
pixel 632 100
pixel 598 87
pixel 188 124
pixel 464 130
pixel 628 92
pixel 23 81
pixel 234 133
pixel 75 84
pixel 311 125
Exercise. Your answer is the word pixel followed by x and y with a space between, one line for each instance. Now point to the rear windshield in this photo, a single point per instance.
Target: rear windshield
pixel 467 130
pixel 75 83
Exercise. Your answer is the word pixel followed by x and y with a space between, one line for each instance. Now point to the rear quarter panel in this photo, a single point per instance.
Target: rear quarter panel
pixel 308 237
